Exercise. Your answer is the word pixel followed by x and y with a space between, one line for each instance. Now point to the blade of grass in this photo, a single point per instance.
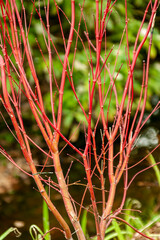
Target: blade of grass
pixel 130 217
pixel 35 232
pixel 118 230
pixel 46 226
pixel 84 221
pixel 114 235
pixel 152 161
pixel 150 223
pixel 8 231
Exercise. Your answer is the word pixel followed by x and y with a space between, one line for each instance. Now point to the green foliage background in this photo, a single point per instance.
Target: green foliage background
pixel 116 24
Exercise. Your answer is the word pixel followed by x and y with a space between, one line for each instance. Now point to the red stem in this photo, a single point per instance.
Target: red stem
pixel 59 118
pixel 28 156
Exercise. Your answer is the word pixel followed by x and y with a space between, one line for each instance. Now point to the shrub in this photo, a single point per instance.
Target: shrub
pixel 21 83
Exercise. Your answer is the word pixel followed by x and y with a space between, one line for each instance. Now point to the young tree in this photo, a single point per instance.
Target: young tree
pixel 108 166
